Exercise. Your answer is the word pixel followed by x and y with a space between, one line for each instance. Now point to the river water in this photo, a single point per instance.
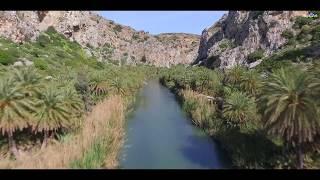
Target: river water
pixel 161 136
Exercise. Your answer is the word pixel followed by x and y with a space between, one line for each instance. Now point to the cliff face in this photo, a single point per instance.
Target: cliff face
pixel 240 33
pixel 102 37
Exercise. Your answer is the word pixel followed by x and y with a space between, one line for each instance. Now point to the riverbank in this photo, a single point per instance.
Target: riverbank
pixel 96 145
pixel 203 96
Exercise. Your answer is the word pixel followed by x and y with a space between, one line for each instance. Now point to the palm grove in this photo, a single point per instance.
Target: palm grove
pixel 265 117
pixel 50 99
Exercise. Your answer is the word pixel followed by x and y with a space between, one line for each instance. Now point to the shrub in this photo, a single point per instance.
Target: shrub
pixel 271 64
pixel 300 21
pixel 223 46
pixel 117 28
pixel 6 58
pixel 43 40
pixel 288 34
pixel 258 54
pixel 306 29
pixel 316 33
pixel 40 64
pixel 144 59
pixel 51 30
pixel 240 110
pixel 212 60
pixel 135 36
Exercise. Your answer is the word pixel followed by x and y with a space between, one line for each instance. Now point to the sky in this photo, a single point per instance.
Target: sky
pixel 156 22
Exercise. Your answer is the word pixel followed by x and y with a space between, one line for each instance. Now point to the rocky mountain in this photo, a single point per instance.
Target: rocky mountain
pixel 102 38
pixel 242 37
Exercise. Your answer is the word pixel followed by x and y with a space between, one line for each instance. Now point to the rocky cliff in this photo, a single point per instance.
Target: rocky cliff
pixel 240 36
pixel 101 37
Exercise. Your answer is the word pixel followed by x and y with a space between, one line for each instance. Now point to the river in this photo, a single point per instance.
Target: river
pixel 161 136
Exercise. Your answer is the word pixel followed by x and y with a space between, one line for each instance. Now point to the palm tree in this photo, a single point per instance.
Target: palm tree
pixel 98 84
pixel 52 113
pixel 72 101
pixel 118 85
pixel 234 75
pixel 251 82
pixel 28 79
pixel 239 110
pixel 15 110
pixel 289 108
pixel 82 87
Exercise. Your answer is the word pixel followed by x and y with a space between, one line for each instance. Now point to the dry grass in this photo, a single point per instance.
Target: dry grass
pixel 106 121
pixel 201 110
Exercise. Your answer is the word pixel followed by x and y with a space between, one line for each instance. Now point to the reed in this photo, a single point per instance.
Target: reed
pixel 102 130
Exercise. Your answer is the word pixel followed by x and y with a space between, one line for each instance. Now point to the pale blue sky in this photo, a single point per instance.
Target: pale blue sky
pixel 156 22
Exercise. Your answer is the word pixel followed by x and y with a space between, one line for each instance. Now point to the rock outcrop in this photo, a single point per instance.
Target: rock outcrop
pixel 102 37
pixel 240 33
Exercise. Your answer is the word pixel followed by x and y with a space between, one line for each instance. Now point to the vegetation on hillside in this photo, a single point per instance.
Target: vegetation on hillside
pixel 40 104
pixel 262 120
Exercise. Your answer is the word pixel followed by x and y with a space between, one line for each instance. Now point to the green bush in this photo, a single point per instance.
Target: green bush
pixel 51 30
pixel 223 46
pixel 43 40
pixel 271 64
pixel 288 34
pixel 300 21
pixel 40 64
pixel 316 33
pixel 306 29
pixel 256 55
pixel 6 58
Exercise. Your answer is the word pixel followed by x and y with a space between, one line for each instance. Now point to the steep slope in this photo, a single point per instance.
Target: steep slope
pixel 243 37
pixel 101 37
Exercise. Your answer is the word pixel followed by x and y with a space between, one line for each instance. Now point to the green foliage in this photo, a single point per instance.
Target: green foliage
pixel 226 44
pixel 199 79
pixel 51 30
pixel 50 97
pixel 251 82
pixel 93 158
pixel 15 109
pixel 6 58
pixel 289 109
pixel 287 97
pixel 250 150
pixel 256 55
pixel 98 84
pixel 239 110
pixel 288 34
pixel 235 74
pixel 316 33
pixel 223 46
pixel 41 64
pixel 300 21
pixel 43 40
pixel 52 113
